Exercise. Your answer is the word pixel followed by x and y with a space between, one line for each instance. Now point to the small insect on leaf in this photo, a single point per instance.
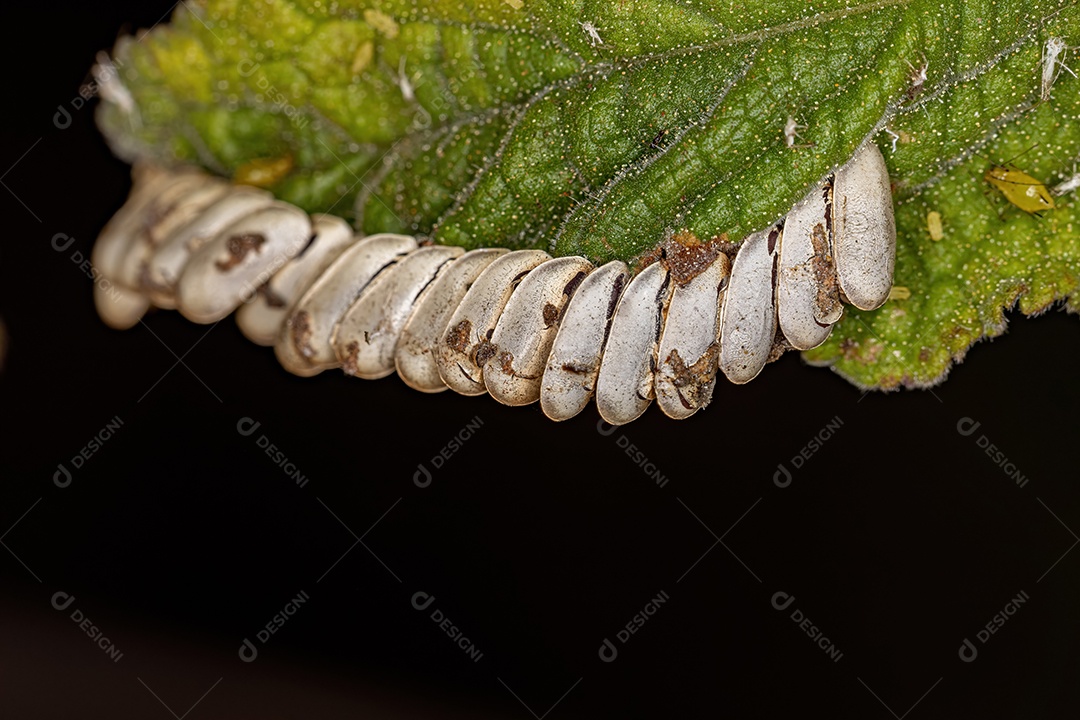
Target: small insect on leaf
pixel 791 131
pixel 592 32
pixel 263 172
pixel 918 78
pixel 933 224
pixel 1067 185
pixel 1053 64
pixel 1019 188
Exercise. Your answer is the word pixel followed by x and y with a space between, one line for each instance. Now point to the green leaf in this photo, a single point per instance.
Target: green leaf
pixel 599 128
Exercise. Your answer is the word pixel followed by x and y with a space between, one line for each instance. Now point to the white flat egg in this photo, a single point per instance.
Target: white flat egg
pixel 748 318
pixel 414 357
pixel 226 271
pixel 864 229
pixel 624 387
pixel 262 316
pixel 465 344
pixel 367 335
pixel 527 327
pixel 166 264
pixel 807 299
pixel 574 361
pixel 303 346
pixel 690 343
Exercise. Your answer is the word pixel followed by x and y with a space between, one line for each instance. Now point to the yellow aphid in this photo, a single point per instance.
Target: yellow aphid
pixel 899 292
pixel 263 172
pixel 382 22
pixel 933 224
pixel 1019 188
pixel 362 58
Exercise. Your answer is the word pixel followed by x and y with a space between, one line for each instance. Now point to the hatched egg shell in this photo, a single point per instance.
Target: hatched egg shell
pixel 690 343
pixel 303 345
pixel 414 357
pixel 172 211
pixel 748 317
pixel 166 264
pixel 527 327
pixel 367 335
pixel 118 307
pixel 574 361
pixel 261 318
pixel 463 348
pixel 112 243
pixel 624 386
pixel 807 298
pixel 173 208
pixel 225 271
pixel 864 229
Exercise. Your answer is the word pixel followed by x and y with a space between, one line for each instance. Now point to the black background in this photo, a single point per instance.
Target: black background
pixel 179 538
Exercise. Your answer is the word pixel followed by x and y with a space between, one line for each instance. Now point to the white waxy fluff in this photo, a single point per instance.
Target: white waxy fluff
pixel 574 361
pixel 523 336
pixel 690 343
pixel 807 301
pixel 303 345
pixel 748 317
pixel 624 387
pixel 462 348
pixel 864 229
pixel 261 317
pixel 414 357
pixel 367 335
pixel 167 263
pixel 226 271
